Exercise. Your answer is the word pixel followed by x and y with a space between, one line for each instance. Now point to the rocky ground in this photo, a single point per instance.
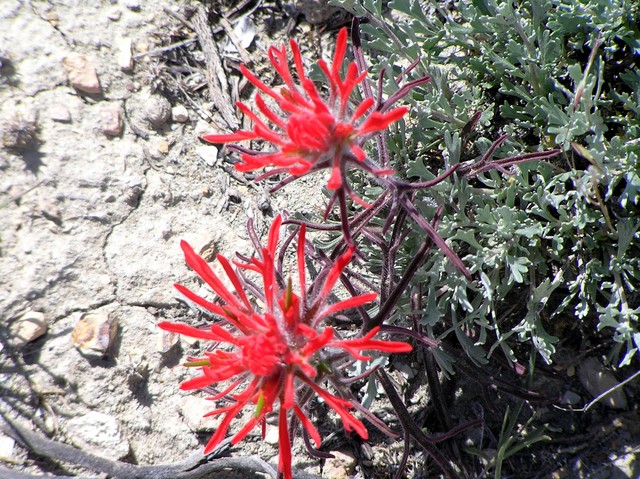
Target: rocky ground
pixel 102 172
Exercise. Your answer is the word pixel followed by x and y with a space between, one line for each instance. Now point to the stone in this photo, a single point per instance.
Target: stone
pixel 133 5
pixel 7 446
pixel 272 436
pixel 234 195
pixel 193 409
pixel 94 333
pixel 60 113
pixel 99 434
pixel 570 398
pixel 163 147
pixel 166 341
pixel 157 110
pixel 124 56
pixel 179 114
pixel 111 119
pixel 203 128
pixel 27 328
pixel 166 232
pixel 82 74
pixel 114 15
pixel 341 466
pixel 208 153
pixel 597 379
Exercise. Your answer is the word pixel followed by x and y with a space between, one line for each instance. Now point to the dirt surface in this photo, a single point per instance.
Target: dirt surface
pixel 91 220
pixel 91 223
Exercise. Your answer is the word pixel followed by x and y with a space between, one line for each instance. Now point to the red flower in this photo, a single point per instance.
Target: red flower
pixel 310 133
pixel 275 352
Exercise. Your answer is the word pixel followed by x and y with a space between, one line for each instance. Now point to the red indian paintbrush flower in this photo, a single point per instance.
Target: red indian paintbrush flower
pixel 277 351
pixel 310 133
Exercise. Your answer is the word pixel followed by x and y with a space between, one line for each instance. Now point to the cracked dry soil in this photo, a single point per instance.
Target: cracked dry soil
pixel 91 223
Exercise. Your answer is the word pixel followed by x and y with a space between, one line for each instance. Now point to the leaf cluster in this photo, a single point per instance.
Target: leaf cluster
pixel 561 234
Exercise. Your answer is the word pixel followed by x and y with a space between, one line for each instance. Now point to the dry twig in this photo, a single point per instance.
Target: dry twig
pixel 196 466
pixel 216 76
pixel 228 28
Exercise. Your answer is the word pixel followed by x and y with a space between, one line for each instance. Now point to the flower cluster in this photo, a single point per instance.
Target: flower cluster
pixel 278 351
pixel 311 133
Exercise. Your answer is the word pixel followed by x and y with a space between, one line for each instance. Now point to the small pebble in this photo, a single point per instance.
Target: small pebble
pixel 163 147
pixel 203 128
pixel 264 203
pixel 114 15
pixel 179 114
pixel 166 341
pixel 157 110
pixel 132 191
pixel 193 409
pixel 94 333
pixel 133 5
pixel 27 328
pixel 60 114
pixel 272 437
pixel 234 195
pixel 166 232
pixel 208 153
pixel 99 434
pixel 341 466
pixel 53 18
pixel 50 209
pixel 570 398
pixel 82 74
pixel 597 379
pixel 111 119
pixel 7 446
pixel 124 56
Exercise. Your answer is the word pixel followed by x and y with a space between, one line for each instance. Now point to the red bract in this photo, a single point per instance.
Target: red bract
pixel 310 133
pixel 277 351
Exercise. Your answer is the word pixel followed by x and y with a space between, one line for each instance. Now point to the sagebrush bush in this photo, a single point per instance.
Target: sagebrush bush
pixel 561 232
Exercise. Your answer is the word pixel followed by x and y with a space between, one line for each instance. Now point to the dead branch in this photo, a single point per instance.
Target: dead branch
pixel 196 466
pixel 216 76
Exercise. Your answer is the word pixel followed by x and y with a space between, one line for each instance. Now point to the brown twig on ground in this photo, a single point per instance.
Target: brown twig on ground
pixel 216 76
pixel 228 28
pixel 168 48
pixel 196 466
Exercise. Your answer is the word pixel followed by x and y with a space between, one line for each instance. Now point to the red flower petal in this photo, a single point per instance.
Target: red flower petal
pixel 333 276
pixel 231 137
pixel 352 302
pixel 308 425
pixel 341 50
pixel 186 330
pixel 200 266
pixel 284 463
pixel 354 346
pixel 379 121
pixel 340 406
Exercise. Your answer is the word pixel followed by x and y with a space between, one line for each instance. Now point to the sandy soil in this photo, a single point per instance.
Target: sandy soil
pixel 91 223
